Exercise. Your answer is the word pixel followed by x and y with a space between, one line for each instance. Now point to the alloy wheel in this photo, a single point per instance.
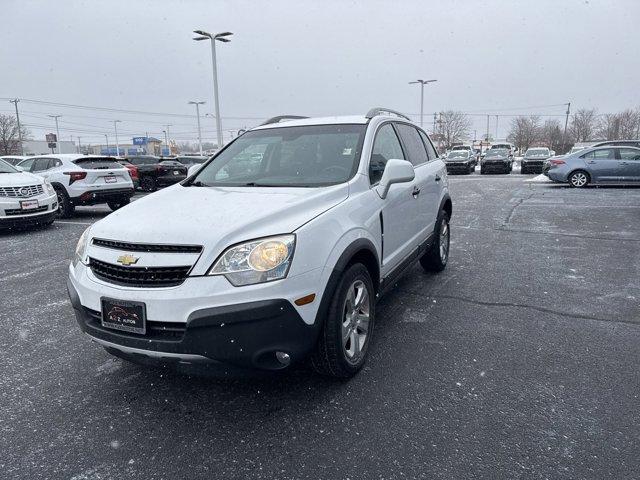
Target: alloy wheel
pixel 355 320
pixel 579 179
pixel 444 241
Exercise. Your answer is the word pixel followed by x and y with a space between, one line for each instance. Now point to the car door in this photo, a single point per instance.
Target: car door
pixel 629 161
pixel 435 171
pixel 41 165
pixel 399 207
pixel 603 165
pixel 425 193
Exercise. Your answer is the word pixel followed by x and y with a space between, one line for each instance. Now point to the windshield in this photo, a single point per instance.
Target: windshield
pixel 537 151
pixel 97 163
pixel 500 146
pixel 6 168
pixel 308 156
pixel 458 154
pixel 460 147
pixel 497 153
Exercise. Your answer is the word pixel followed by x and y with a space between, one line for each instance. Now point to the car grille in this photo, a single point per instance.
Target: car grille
pixel 146 247
pixel 139 276
pixel 168 331
pixel 21 192
pixel 19 211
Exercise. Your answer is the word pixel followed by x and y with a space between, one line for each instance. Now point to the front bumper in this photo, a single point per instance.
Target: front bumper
pixel 244 334
pixel 496 166
pixel 533 166
pixel 11 215
pixel 458 167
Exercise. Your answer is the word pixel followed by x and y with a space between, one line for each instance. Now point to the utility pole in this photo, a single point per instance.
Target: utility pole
pixel 167 138
pixel 435 116
pixel 58 139
pixel 422 84
pixel 166 142
pixel 487 128
pixel 15 102
pixel 566 121
pixel 79 146
pixel 106 138
pixel 220 37
pixel 115 125
pixel 197 104
pixel 497 126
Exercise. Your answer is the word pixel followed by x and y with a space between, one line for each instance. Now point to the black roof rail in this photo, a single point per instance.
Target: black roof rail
pixel 381 110
pixel 282 117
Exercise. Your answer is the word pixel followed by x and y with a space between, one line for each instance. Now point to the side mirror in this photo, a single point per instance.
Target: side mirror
pixel 395 171
pixel 193 169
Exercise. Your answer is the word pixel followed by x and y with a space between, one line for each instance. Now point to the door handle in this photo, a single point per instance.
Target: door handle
pixel 624 163
pixel 438 178
pixel 416 192
pixel 591 161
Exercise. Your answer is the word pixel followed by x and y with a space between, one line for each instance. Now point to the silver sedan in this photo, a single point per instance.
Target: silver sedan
pixel 602 165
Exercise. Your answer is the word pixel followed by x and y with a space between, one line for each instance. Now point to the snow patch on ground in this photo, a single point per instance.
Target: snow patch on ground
pixel 539 179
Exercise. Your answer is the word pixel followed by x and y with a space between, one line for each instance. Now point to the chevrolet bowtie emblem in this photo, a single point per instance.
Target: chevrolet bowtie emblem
pixel 127 260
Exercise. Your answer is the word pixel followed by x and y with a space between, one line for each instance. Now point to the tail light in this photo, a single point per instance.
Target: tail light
pixel 133 172
pixel 557 162
pixel 73 176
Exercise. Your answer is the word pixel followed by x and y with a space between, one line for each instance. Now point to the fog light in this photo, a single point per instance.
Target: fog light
pixel 283 358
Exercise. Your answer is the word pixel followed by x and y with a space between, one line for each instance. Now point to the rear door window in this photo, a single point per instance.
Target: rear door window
pixel 431 151
pixel 602 154
pixel 413 143
pixel 41 164
pixel 629 154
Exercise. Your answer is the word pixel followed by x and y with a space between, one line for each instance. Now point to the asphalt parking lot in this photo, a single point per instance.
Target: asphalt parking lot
pixel 520 360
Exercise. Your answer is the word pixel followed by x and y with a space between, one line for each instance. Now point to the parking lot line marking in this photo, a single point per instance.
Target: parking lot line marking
pixel 74 223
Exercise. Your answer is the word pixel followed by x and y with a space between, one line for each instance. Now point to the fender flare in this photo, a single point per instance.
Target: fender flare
pixel 343 261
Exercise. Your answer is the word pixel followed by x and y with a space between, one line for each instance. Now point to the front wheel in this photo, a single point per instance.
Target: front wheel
pixel 436 258
pixel 148 184
pixel 116 204
pixel 579 179
pixel 346 334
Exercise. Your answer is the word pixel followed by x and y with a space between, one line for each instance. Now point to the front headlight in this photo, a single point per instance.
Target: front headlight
pixel 257 261
pixel 48 187
pixel 81 248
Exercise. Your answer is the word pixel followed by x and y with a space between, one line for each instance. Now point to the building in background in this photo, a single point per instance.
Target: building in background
pixel 41 147
pixel 138 146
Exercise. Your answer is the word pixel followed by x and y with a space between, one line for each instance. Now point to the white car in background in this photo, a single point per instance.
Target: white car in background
pixel 25 199
pixel 83 180
pixel 13 159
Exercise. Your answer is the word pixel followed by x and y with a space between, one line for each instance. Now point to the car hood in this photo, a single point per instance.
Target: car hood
pixel 496 158
pixel 19 179
pixel 217 217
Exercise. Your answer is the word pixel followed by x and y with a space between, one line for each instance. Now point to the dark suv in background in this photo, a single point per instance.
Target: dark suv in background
pixel 154 172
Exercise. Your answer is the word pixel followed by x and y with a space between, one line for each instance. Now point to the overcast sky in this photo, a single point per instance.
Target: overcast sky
pixel 313 58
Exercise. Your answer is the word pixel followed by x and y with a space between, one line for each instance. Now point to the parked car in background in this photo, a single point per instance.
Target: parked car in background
pixel 467 148
pixel 600 165
pixel 496 160
pixel 275 264
pixel 189 160
pixel 13 159
pixel 154 173
pixel 460 161
pixel 534 159
pixel 83 180
pixel 133 172
pixel 25 199
pixel 504 146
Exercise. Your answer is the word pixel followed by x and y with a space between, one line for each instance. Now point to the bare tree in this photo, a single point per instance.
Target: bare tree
pixel 583 125
pixel 186 147
pixel 524 132
pixel 550 134
pixel 9 138
pixel 629 122
pixel 453 127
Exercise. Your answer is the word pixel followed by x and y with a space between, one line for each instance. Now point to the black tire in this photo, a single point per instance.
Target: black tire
pixel 116 204
pixel 65 207
pixel 482 171
pixel 148 184
pixel 436 259
pixel 523 170
pixel 472 169
pixel 331 356
pixel 579 179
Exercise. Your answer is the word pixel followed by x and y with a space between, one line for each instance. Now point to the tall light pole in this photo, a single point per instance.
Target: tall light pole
pixel 422 84
pixel 115 126
pixel 57 131
pixel 15 102
pixel 497 118
pixel 197 104
pixel 566 121
pixel 220 37
pixel 167 137
pixel 106 139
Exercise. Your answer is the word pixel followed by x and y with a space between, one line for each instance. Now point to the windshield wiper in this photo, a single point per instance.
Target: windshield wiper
pixel 197 183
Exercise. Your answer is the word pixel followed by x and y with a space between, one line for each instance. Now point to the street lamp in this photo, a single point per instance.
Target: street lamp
pixel 166 138
pixel 422 84
pixel 197 104
pixel 115 125
pixel 106 139
pixel 220 37
pixel 57 130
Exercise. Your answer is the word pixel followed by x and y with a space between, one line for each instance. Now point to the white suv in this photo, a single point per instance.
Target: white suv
pixel 274 251
pixel 83 180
